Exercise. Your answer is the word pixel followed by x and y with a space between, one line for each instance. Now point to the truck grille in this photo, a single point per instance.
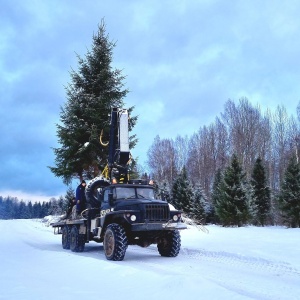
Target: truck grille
pixel 157 212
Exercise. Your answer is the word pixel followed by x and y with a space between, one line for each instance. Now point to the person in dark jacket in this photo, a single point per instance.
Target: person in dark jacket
pixel 80 197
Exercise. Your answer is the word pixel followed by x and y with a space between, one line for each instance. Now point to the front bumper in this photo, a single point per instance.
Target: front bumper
pixel 158 226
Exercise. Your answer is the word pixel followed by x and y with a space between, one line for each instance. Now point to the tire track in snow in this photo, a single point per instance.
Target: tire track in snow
pixel 222 257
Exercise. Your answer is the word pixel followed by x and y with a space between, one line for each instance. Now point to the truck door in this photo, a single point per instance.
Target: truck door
pixel 105 203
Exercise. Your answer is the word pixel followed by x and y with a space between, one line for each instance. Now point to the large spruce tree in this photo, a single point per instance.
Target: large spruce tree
pixel 260 193
pixel 94 89
pixel 289 197
pixel 232 205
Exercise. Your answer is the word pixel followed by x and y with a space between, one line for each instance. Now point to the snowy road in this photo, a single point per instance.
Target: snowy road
pixel 227 263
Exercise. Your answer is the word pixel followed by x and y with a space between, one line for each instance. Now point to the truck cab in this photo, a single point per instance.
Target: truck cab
pixel 130 214
pixel 136 208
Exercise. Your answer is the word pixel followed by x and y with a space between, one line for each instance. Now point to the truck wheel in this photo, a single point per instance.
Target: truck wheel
pixel 170 244
pixel 65 238
pixel 77 241
pixel 115 242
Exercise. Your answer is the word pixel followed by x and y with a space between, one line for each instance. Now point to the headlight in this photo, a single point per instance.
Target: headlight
pixel 133 218
pixel 175 218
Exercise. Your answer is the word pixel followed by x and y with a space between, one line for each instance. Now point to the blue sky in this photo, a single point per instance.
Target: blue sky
pixel 183 60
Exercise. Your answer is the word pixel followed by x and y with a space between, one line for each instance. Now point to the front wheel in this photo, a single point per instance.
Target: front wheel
pixel 169 245
pixel 77 241
pixel 115 242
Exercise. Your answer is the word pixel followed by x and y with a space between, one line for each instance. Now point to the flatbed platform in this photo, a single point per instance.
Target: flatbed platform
pixel 68 222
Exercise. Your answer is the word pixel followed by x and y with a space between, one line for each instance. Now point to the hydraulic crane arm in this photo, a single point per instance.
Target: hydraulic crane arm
pixel 119 154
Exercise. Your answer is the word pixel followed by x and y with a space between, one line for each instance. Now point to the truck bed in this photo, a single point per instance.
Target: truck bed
pixel 68 222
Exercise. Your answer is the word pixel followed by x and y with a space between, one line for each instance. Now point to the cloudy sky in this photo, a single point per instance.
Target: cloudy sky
pixel 183 60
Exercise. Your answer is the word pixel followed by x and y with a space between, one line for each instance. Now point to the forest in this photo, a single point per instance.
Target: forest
pixel 242 169
pixel 236 170
pixel 13 208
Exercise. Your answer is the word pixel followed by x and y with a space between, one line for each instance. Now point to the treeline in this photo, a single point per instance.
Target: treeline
pixel 243 136
pixel 12 208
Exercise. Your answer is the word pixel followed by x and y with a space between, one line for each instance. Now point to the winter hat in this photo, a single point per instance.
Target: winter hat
pixel 83 181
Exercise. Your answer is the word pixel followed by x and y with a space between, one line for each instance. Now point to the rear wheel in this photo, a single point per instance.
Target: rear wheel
pixel 169 245
pixel 115 242
pixel 77 241
pixel 65 238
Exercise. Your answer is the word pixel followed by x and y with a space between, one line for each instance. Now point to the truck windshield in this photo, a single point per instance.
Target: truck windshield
pixel 121 192
pixel 145 193
pixel 131 193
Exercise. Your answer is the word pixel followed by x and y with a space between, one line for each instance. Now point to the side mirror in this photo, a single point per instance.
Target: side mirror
pixel 111 199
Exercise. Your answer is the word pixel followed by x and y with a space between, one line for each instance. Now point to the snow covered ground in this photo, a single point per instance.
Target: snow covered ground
pixel 226 263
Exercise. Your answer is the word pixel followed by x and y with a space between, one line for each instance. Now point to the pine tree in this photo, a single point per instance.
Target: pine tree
pixel 94 89
pixel 22 212
pixel 182 192
pixel 10 208
pixel 261 194
pixel 68 200
pixel 30 210
pixel 162 191
pixel 1 208
pixel 199 206
pixel 70 194
pixel 61 205
pixel 289 197
pixel 215 196
pixel 232 206
pixel 36 210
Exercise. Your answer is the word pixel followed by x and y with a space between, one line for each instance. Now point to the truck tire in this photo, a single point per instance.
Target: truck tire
pixel 115 242
pixel 77 241
pixel 91 191
pixel 170 244
pixel 65 237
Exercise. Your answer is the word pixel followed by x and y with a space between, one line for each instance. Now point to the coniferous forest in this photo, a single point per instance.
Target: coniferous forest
pixel 241 169
pixel 13 208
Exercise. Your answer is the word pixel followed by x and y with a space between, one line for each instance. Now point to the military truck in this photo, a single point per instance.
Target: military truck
pixel 120 211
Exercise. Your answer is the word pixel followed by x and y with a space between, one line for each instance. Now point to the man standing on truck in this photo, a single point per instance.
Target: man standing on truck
pixel 80 197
